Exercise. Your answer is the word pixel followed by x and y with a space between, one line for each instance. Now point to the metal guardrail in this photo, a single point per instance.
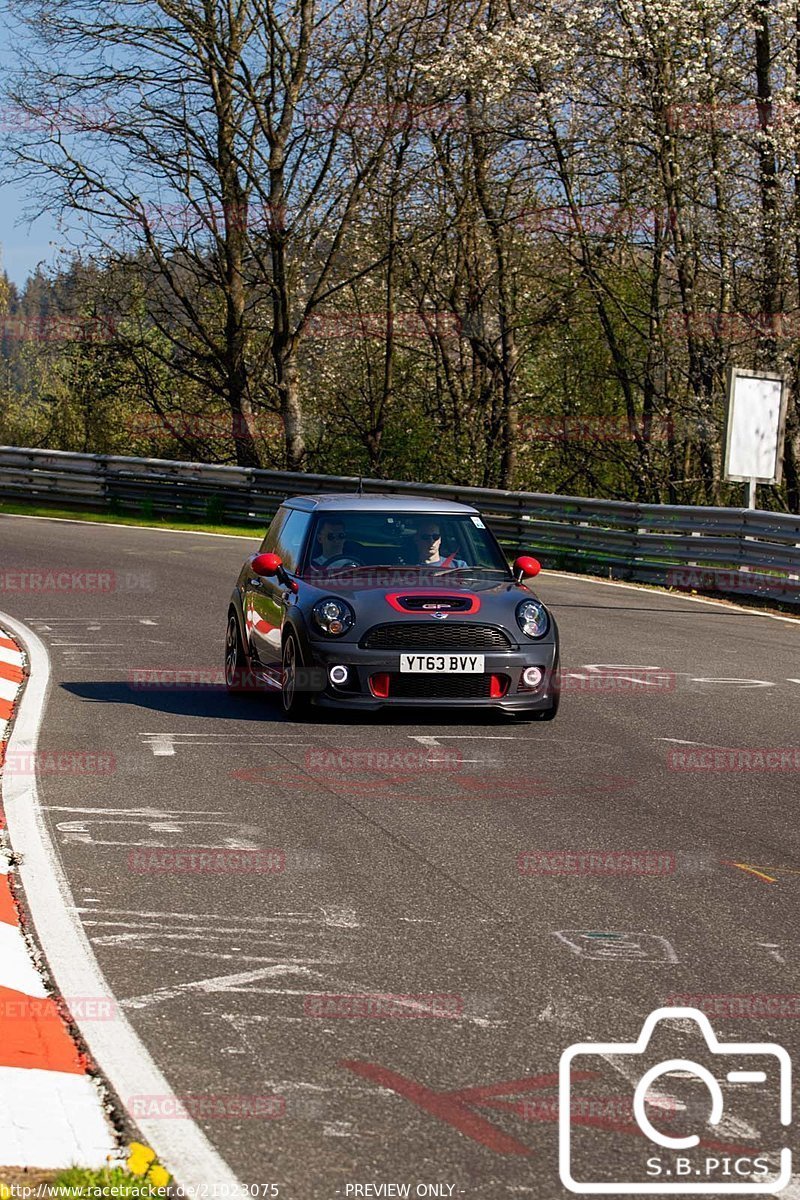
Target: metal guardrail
pixel 732 551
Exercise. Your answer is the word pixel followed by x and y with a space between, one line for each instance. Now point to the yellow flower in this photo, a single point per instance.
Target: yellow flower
pixel 158 1176
pixel 139 1158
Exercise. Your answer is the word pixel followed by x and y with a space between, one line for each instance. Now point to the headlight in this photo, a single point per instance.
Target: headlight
pixel 333 617
pixel 532 618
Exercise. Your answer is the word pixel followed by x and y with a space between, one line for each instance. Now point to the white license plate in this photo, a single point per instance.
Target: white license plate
pixel 441 664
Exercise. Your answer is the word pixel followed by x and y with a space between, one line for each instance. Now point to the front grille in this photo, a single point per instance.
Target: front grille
pixel 439 687
pixel 434 635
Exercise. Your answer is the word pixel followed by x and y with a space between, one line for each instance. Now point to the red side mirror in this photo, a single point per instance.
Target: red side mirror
pixel 266 564
pixel 524 567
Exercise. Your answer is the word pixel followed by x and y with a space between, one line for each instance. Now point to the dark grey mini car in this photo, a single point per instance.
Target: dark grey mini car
pixel 360 602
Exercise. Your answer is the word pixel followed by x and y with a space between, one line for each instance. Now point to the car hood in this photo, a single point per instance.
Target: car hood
pixel 380 600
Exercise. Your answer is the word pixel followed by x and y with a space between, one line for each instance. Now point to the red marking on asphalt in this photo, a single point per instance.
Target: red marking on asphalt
pixel 6 709
pixel 443 1105
pixel 8 909
pixel 7 644
pixel 451 1107
pixel 515 1087
pixel 525 1110
pixel 11 672
pixel 33 1035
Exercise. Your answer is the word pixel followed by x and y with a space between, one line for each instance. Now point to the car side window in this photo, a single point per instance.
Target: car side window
pixel 291 537
pixel 271 537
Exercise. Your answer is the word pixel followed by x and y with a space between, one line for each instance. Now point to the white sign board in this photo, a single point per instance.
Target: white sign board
pixel 756 420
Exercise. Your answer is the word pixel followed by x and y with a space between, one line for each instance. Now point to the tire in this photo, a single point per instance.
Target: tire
pixel 295 704
pixel 236 664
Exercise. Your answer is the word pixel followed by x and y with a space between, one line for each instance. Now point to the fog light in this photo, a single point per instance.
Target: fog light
pixel 532 677
pixel 338 674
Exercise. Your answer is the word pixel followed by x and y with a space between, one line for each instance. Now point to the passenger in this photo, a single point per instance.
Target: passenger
pixel 429 546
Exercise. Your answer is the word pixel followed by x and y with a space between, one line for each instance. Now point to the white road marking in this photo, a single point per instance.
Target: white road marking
pixel 181 1146
pixel 618 946
pixel 683 742
pixel 745 683
pixel 427 740
pixel 774 951
pixel 224 983
pixel 156 813
pixel 162 745
pixel 9 656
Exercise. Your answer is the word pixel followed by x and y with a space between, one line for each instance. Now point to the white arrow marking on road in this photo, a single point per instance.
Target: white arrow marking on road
pixel 773 948
pixel 219 983
pixel 162 744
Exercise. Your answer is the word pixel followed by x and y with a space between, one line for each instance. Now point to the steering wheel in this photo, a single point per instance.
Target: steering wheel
pixel 340 562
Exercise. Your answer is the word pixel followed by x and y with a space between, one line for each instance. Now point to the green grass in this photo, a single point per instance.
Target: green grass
pixel 21 508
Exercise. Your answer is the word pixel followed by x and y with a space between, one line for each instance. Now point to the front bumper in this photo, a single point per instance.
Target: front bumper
pixel 363 665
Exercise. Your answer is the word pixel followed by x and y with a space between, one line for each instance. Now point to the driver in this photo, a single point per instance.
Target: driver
pixel 329 544
pixel 429 545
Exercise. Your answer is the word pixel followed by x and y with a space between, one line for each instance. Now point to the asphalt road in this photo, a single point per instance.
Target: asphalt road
pixel 402 877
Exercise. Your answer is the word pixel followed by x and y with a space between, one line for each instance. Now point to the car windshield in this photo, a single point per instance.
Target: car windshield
pixel 348 541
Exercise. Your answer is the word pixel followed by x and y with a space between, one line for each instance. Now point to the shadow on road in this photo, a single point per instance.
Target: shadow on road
pixel 215 702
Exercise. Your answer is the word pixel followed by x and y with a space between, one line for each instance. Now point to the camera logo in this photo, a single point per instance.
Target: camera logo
pixel 674 1170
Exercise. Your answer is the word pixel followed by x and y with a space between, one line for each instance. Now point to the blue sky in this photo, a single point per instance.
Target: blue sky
pixel 21 246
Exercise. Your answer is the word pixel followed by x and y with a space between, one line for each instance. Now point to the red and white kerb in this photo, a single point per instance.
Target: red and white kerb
pixel 51 1113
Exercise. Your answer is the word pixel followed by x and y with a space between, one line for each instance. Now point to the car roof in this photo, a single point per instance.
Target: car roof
pixel 373 502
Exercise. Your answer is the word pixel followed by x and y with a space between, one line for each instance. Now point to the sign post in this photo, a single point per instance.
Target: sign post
pixel 755 428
